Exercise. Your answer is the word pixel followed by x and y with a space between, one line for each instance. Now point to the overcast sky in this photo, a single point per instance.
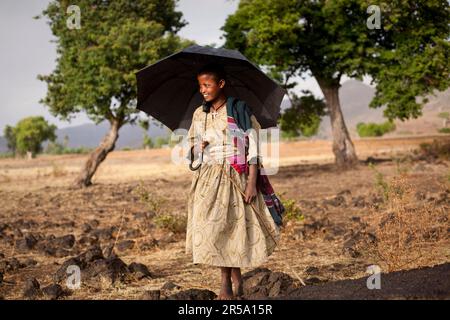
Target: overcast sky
pixel 27 52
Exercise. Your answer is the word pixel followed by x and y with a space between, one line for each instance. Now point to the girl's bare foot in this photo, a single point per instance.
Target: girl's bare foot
pixel 238 289
pixel 226 293
pixel 237 282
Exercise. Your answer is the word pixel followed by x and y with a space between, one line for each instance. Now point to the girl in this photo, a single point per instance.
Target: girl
pixel 223 229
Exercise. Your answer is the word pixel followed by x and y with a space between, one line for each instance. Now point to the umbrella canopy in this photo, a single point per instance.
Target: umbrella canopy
pixel 168 89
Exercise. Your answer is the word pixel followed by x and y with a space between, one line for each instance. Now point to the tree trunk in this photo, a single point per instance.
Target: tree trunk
pixel 98 155
pixel 343 149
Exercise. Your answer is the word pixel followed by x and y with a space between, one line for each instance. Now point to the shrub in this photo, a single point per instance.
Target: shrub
pixel 405 232
pixel 373 129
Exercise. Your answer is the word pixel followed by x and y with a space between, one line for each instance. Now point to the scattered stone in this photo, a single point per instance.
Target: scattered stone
pixel 26 243
pixel 151 295
pixel 193 294
pixel 337 201
pixel 30 262
pixel 32 289
pixel 88 240
pixel 86 228
pixel 359 202
pixel 53 291
pixel 125 245
pixel 112 270
pixel 263 283
pixel 312 270
pixel 65 242
pixel 312 281
pixel 82 261
pixel 147 245
pixel 104 234
pixel 170 286
pixel 13 265
pixel 134 233
pixel 139 270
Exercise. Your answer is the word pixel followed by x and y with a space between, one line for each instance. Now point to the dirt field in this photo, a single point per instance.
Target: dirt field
pixel 46 225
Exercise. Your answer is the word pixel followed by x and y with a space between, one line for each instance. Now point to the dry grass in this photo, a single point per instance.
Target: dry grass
pixel 156 205
pixel 404 232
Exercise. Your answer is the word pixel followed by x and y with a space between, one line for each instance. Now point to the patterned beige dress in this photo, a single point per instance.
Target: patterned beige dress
pixel 222 230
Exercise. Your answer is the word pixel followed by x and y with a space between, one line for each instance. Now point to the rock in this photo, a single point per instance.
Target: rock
pixel 1 277
pixel 359 202
pixel 255 280
pixel 61 274
pixel 32 289
pixel 193 294
pixel 65 242
pixel 17 233
pixel 13 265
pixel 30 262
pixel 104 234
pixel 88 240
pixel 108 251
pixel 312 270
pixel 86 228
pixel 170 286
pixel 112 269
pixel 82 261
pixel 125 245
pixel 140 270
pixel 147 245
pixel 26 243
pixel 53 291
pixel 151 295
pixel 93 253
pixel 94 223
pixel 312 281
pixel 134 233
pixel 263 283
pixel 337 201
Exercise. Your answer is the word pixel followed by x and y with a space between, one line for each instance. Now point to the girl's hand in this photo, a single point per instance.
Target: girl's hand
pixel 250 192
pixel 201 146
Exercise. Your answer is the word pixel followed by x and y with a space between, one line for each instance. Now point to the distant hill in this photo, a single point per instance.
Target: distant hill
pixel 90 135
pixel 355 97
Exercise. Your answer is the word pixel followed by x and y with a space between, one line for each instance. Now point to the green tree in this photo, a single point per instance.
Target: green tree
pixel 303 117
pixel 96 63
pixel 407 57
pixel 31 132
pixel 147 142
pixel 10 136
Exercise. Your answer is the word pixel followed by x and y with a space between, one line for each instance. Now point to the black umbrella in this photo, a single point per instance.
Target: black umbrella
pixel 168 89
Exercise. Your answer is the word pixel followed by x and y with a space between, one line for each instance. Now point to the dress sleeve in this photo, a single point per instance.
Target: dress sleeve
pixel 254 155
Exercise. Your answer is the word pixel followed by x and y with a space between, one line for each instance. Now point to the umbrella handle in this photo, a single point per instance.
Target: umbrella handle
pixel 201 155
pixel 197 166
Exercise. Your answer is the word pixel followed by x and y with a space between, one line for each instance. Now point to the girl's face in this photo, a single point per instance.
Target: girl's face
pixel 208 86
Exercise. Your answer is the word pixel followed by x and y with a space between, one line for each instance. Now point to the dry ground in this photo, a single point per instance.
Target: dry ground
pixel 36 198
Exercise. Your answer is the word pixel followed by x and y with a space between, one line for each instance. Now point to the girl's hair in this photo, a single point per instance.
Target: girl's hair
pixel 214 69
